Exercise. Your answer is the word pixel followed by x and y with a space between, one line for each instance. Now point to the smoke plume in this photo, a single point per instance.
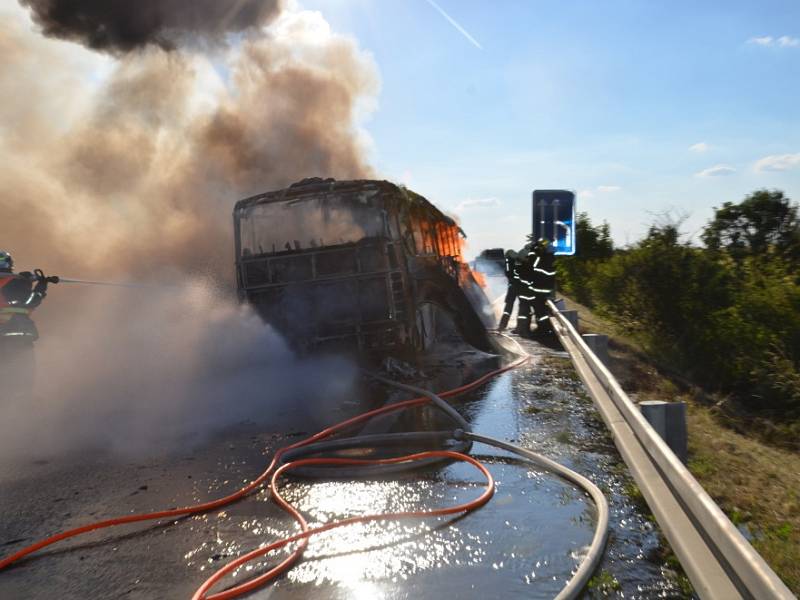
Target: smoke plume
pixel 125 164
pixel 166 377
pixel 118 166
pixel 123 25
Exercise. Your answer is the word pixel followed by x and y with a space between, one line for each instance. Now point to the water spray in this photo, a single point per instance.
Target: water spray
pixel 37 275
pixel 126 284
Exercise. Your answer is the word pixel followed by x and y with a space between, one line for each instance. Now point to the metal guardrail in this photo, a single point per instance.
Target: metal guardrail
pixel 719 561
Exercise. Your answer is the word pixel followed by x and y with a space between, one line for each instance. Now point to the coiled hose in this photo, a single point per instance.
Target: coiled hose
pixel 595 553
pixel 299 458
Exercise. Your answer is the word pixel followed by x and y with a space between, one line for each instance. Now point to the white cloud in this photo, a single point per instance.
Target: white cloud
pixel 716 171
pixel 477 203
pixel 767 40
pixel 785 41
pixel 699 147
pixel 778 162
pixel 608 189
pixel 585 194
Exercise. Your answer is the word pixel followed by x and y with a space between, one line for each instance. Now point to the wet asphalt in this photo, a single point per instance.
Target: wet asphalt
pixel 524 544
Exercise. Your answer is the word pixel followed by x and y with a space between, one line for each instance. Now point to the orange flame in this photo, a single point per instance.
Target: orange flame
pixel 480 278
pixel 451 243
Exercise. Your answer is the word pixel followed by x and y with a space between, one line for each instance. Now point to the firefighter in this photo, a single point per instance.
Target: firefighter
pixel 510 270
pixel 524 280
pixel 544 283
pixel 18 298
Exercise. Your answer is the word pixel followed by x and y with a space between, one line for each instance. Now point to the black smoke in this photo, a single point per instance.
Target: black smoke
pixel 119 26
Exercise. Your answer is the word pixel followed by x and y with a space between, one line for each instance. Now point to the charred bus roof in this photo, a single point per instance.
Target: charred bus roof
pixel 362 189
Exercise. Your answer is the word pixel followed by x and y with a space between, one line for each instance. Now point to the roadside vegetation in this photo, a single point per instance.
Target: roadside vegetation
pixel 715 325
pixel 725 316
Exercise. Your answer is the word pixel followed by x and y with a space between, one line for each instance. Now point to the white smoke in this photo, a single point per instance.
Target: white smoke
pixel 147 370
pixel 103 160
pixel 118 164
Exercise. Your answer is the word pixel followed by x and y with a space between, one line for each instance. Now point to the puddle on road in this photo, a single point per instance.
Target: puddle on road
pixel 526 542
pixel 531 532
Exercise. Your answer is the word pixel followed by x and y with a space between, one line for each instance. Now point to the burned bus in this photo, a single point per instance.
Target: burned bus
pixel 364 264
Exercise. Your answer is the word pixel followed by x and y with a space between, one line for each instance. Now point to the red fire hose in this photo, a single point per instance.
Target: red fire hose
pixel 270 470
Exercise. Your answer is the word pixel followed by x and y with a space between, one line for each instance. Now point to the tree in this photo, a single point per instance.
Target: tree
pixel 765 220
pixel 594 246
pixel 591 241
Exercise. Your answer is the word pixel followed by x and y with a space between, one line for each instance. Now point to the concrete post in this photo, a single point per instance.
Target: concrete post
pixel 598 344
pixel 571 316
pixel 669 420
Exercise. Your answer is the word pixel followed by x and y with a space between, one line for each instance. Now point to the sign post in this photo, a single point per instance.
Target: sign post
pixel 554 219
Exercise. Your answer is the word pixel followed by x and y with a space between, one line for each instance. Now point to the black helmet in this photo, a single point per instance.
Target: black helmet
pixel 541 241
pixel 6 262
pixel 545 245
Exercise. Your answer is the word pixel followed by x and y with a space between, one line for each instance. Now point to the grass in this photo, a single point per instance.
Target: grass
pixel 755 483
pixel 564 437
pixel 738 517
pixel 675 570
pixel 674 566
pixel 784 532
pixel 632 491
pixel 604 582
pixel 679 577
pixel 561 368
pixel 701 467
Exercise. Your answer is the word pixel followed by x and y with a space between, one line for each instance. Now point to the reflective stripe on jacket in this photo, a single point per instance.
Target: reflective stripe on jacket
pixel 544 273
pixel 524 277
pixel 509 268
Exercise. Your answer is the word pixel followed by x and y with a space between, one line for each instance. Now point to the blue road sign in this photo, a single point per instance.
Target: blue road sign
pixel 554 219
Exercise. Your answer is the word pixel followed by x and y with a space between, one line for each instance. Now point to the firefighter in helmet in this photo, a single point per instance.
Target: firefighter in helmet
pixel 523 277
pixel 543 282
pixel 18 298
pixel 510 271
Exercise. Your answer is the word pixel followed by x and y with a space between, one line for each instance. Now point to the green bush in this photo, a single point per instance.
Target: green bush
pixel 730 321
pixel 595 247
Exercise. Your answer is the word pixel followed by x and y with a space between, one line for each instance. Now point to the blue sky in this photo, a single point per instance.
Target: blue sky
pixel 641 107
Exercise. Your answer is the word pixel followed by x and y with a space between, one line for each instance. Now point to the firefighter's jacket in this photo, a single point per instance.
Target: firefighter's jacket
pixel 544 273
pixel 510 269
pixel 18 298
pixel 523 276
pixel 536 273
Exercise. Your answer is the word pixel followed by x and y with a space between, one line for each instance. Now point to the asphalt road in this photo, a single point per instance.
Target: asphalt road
pixel 524 543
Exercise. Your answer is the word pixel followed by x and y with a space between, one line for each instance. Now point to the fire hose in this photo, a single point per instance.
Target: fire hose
pixel 106 283
pixel 303 458
pixel 38 275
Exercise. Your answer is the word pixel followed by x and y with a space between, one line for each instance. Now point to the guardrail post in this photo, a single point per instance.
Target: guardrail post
pixel 669 421
pixel 571 316
pixel 715 555
pixel 598 344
